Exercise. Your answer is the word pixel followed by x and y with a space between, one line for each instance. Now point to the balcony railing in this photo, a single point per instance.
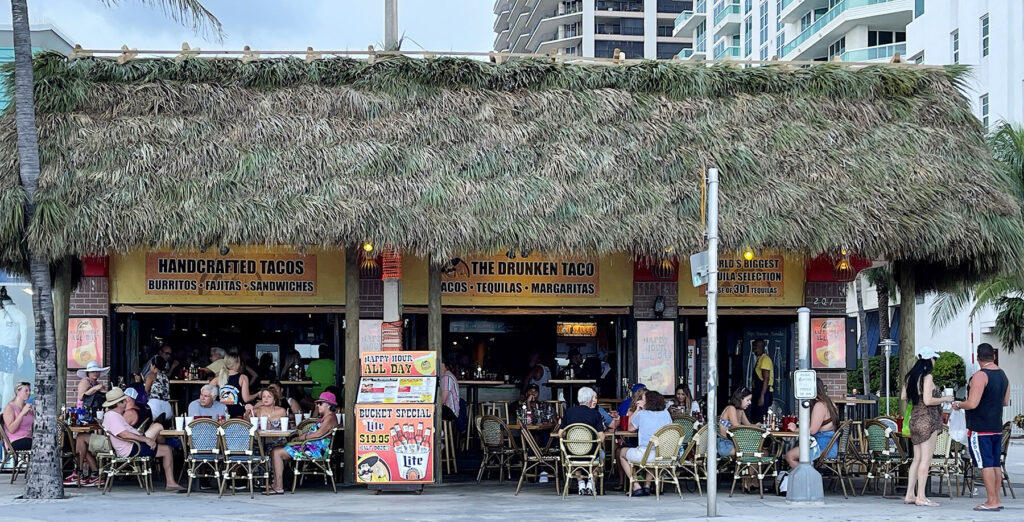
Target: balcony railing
pixel 619 6
pixel 686 15
pixel 685 54
pixel 820 23
pixel 732 51
pixel 702 43
pixel 874 53
pixel 721 11
pixel 617 29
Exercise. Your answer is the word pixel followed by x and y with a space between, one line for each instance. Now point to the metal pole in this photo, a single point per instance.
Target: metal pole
pixel 712 325
pixel 390 25
pixel 887 343
pixel 804 363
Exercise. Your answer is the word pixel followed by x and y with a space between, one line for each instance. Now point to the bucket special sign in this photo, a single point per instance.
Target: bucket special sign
pixel 173 273
pixel 531 276
pixel 394 444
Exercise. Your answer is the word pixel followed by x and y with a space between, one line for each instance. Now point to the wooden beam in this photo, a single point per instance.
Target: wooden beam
pixel 908 310
pixel 61 313
pixel 434 341
pixel 521 310
pixel 351 358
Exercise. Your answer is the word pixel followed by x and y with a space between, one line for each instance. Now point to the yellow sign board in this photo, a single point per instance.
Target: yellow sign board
pixel 769 279
pixel 243 276
pixel 481 280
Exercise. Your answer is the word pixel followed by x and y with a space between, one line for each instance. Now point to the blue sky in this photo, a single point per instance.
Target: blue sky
pixel 436 25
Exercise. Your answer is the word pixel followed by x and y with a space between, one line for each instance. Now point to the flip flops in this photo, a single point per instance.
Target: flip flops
pixel 983 507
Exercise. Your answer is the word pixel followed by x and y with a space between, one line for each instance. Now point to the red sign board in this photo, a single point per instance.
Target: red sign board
pixel 394 443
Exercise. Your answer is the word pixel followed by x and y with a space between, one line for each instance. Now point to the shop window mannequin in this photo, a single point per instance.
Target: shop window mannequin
pixel 13 344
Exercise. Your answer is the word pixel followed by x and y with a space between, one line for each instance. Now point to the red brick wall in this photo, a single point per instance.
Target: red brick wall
pixel 371 298
pixel 645 293
pixel 92 298
pixel 835 382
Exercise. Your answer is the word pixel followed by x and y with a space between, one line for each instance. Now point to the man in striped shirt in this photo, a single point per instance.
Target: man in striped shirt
pixel 449 394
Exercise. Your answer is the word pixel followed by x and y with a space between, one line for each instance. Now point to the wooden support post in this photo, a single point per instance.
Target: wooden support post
pixel 434 340
pixel 351 358
pixel 908 309
pixel 61 315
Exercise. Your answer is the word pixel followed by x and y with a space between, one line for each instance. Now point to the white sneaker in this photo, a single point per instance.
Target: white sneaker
pixel 543 477
pixel 590 487
pixel 582 488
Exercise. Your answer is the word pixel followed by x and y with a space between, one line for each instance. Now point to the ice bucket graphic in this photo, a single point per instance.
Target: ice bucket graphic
pixel 412 465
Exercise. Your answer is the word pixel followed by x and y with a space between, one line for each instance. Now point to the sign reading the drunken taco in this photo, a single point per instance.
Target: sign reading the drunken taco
pixel 394 444
pixel 534 276
pixel 399 364
pixel 171 273
pixel 758 277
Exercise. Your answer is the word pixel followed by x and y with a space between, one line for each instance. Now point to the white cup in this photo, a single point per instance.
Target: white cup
pixel 341 418
pixel 179 423
pixel 99 415
pixel 255 421
pixel 305 416
pixel 188 420
pixel 948 392
pixel 298 419
pixel 284 423
pixel 263 423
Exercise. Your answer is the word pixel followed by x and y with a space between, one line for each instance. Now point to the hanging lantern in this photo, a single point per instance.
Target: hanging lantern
pixel 664 269
pixel 369 268
pixel 843 270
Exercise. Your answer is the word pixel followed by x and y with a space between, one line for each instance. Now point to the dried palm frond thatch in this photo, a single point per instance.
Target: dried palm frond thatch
pixel 444 156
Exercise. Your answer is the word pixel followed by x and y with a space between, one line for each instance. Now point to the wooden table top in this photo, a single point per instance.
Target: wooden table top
pixel 481 383
pixel 85 429
pixel 854 401
pixel 572 381
pixel 785 434
pixel 533 427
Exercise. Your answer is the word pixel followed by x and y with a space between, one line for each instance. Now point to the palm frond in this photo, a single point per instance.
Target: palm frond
pixel 949 304
pixel 1009 327
pixel 187 12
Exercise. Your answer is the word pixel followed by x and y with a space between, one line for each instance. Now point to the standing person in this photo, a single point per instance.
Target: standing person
pixel 539 375
pixel 763 379
pixel 90 389
pixel 449 394
pixel 216 365
pixel 989 392
pixel 19 414
pixel 165 352
pixel 158 391
pixel 234 386
pixel 322 371
pixel 925 423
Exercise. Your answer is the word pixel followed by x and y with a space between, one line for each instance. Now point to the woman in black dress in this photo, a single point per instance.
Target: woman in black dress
pixel 925 423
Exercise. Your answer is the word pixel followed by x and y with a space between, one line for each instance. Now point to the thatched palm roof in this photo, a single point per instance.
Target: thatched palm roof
pixel 446 155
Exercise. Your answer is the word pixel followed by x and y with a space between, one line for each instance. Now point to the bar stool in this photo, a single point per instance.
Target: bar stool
pixel 559 407
pixel 448 455
pixel 498 408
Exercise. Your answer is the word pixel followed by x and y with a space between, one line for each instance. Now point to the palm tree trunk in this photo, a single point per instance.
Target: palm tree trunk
pixel 862 338
pixel 43 480
pixel 882 290
pixel 908 310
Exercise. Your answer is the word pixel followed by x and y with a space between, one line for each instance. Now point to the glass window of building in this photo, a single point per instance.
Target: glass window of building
pixel 984 110
pixel 954 39
pixel 984 35
pixel 763 21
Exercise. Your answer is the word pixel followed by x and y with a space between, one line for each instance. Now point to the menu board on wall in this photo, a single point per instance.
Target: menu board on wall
pixel 406 363
pixel 370 339
pixel 391 390
pixel 244 274
pixel 533 276
pixel 828 343
pixel 656 363
pixel 394 444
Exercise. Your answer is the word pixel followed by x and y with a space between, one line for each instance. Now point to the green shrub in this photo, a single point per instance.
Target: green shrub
pixel 949 371
pixel 894 406
pixel 875 366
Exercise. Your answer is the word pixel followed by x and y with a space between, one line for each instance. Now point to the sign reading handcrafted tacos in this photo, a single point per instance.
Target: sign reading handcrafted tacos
pixel 420 364
pixel 210 273
pixel 394 444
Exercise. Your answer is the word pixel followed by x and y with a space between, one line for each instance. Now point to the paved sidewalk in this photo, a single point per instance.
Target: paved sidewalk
pixel 489 501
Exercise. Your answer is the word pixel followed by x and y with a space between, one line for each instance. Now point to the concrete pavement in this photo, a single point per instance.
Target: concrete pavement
pixel 467 501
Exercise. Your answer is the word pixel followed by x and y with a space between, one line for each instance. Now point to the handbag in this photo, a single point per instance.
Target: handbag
pixel 906 420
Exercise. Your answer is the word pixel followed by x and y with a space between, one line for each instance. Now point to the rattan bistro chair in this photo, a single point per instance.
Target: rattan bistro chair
pixel 694 457
pixel 1006 482
pixel 316 465
pixel 66 446
pixel 581 451
pixel 498 447
pixel 836 466
pixel 19 459
pixel 536 460
pixel 751 458
pixel 243 456
pixel 136 466
pixel 660 459
pixel 687 423
pixel 885 455
pixel 203 458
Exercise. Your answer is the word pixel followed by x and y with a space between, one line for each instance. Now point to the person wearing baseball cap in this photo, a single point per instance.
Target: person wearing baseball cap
pixel 128 442
pixel 311 444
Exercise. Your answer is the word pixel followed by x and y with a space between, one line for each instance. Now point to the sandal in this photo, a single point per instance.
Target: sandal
pixel 927 503
pixel 983 507
pixel 274 492
pixel 909 501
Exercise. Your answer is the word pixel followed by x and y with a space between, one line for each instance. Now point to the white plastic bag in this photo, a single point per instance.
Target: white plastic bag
pixel 958 426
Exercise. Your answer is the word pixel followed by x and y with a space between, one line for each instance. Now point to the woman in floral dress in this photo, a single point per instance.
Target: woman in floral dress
pixel 312 444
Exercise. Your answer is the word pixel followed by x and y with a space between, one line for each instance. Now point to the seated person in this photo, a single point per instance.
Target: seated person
pixel 207 404
pixel 586 413
pixel 267 405
pixel 287 403
pixel 650 417
pixel 735 414
pixel 313 443
pixel 115 423
pixel 19 414
pixel 530 402
pixel 136 413
pixel 824 419
pixel 684 404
